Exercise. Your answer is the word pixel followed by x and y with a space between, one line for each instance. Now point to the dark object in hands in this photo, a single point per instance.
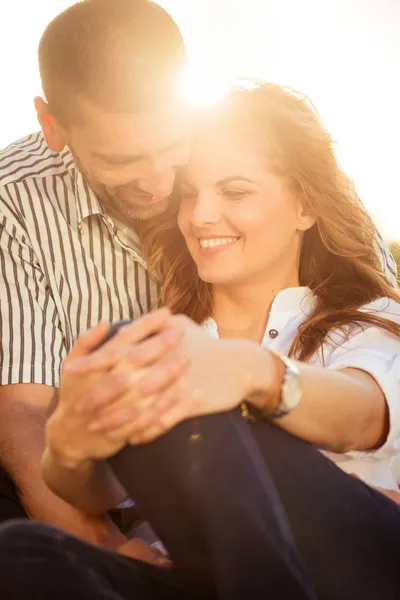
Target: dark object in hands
pixel 115 327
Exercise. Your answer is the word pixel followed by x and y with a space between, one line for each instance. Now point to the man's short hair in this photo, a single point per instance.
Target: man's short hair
pixel 123 55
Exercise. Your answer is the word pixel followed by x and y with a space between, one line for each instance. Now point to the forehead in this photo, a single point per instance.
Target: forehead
pixel 217 153
pixel 142 133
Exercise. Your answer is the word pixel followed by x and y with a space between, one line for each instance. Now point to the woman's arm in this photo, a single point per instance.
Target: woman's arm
pixel 339 410
pixel 344 407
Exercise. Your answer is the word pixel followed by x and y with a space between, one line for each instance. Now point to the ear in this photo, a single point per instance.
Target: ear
pixel 305 218
pixel 52 131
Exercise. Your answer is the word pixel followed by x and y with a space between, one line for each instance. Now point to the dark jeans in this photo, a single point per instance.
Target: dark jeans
pixel 225 499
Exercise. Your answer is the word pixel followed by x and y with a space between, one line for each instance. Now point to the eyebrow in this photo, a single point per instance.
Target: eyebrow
pixel 234 178
pixel 134 157
pixel 221 182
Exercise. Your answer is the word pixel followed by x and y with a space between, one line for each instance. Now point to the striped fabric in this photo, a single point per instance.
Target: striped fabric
pixel 64 265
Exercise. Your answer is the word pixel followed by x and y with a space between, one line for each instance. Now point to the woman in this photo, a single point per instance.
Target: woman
pixel 275 255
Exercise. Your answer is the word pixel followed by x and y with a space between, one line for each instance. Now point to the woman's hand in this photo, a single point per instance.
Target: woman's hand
pixel 139 550
pixel 68 431
pixel 216 376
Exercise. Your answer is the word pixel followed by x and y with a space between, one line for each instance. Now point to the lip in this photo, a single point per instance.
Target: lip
pixel 146 200
pixel 215 249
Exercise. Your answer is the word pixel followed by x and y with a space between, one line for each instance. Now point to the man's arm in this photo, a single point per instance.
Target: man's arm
pixel 23 414
pixel 32 345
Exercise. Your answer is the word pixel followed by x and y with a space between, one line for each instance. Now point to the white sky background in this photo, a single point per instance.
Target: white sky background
pixel 345 54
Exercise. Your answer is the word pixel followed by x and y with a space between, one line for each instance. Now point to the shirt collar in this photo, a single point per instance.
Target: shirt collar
pixel 87 203
pixel 287 305
pixel 293 300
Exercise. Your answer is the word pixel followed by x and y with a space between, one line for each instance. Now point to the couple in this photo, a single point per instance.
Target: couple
pixel 264 245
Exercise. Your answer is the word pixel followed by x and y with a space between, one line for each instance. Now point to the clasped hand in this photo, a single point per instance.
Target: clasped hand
pixel 135 388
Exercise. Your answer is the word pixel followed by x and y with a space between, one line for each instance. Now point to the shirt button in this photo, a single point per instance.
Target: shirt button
pixel 273 333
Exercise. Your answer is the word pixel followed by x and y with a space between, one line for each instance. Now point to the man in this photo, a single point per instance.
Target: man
pixel 72 198
pixel 112 137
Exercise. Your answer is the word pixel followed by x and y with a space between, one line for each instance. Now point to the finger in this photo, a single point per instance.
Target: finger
pixel 140 428
pixel 158 378
pixel 136 402
pixel 88 340
pixel 160 406
pixel 179 411
pixel 101 360
pixel 153 349
pixel 146 325
pixel 129 416
pixel 118 415
pixel 159 428
pixel 124 432
pixel 166 375
pixel 108 391
pixel 139 550
pixel 112 351
pixel 115 421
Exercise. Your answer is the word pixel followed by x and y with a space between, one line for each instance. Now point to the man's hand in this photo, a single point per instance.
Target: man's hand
pixel 215 377
pixel 68 434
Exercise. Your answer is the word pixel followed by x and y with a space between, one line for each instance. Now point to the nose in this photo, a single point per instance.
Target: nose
pixel 206 211
pixel 158 182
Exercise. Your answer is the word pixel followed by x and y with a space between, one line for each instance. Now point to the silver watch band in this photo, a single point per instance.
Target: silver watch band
pixel 291 392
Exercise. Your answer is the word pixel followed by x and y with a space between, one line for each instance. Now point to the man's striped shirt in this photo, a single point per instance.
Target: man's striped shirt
pixel 64 265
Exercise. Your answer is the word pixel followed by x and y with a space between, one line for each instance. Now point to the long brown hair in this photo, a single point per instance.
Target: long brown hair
pixel 339 261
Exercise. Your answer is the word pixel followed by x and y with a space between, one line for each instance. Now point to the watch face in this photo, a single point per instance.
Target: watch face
pixel 291 392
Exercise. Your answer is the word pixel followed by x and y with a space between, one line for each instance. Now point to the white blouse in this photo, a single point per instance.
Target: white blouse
pixel 371 349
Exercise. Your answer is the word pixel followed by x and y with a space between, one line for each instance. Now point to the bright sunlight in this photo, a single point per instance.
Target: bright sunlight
pixel 344 55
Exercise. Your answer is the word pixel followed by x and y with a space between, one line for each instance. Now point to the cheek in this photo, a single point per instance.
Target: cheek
pixel 271 228
pixel 117 176
pixel 184 218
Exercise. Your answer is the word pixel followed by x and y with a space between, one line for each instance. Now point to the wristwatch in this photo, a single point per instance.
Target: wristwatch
pixel 284 400
pixel 291 391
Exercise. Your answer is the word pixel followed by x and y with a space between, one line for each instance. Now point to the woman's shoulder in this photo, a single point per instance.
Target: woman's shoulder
pixel 364 333
pixel 384 307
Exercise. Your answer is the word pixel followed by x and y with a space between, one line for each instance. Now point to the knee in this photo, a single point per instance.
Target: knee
pixel 20 538
pixel 25 552
pixel 13 532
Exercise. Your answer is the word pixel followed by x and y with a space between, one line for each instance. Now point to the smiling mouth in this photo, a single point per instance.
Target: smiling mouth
pixel 137 191
pixel 208 243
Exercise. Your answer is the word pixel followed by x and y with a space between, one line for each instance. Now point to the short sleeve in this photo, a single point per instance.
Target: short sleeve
pixel 32 345
pixel 377 352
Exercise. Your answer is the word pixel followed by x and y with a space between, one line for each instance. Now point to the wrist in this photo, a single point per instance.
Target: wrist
pixel 257 366
pixel 277 389
pixel 52 456
pixel 265 385
pixel 59 447
pixel 263 394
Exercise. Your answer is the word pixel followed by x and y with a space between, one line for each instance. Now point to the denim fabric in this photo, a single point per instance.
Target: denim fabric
pixel 39 562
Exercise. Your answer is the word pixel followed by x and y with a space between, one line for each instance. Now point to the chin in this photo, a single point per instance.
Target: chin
pixel 216 276
pixel 144 213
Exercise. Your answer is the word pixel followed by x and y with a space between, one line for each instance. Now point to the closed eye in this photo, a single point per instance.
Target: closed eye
pixel 235 194
pixel 188 194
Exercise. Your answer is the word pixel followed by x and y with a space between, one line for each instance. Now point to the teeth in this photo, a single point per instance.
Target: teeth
pixel 213 243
